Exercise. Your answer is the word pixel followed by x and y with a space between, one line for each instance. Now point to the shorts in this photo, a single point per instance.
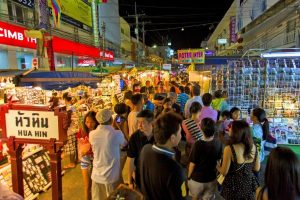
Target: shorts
pixel 202 190
pixel 86 162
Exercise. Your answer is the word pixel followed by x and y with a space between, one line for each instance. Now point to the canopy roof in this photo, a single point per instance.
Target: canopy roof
pixel 59 80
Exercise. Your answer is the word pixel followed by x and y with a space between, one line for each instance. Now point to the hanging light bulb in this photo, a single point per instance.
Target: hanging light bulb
pixel 182 29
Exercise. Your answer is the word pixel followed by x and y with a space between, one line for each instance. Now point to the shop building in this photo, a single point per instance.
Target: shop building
pixel 109 27
pixel 73 41
pixel 125 42
pixel 257 24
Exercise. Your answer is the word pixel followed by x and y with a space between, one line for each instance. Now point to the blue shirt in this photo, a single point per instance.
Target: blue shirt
pixel 182 99
pixel 149 106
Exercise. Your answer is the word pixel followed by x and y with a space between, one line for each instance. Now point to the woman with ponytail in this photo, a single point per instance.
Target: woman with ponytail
pixel 260 129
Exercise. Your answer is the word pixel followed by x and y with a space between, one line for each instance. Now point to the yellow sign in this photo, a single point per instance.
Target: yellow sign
pixel 33 34
pixel 188 56
pixel 76 9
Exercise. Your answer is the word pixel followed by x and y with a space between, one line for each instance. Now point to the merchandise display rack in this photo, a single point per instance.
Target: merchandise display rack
pixel 36 171
pixel 273 84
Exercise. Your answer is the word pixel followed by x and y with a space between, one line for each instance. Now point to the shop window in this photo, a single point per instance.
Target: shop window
pixel 10 11
pixel 19 13
pixel 24 60
pixel 4 59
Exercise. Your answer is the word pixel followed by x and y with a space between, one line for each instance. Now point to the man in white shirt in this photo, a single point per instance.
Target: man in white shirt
pixel 196 97
pixel 105 142
pixel 138 103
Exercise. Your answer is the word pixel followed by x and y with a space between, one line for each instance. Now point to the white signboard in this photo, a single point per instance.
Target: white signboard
pixel 167 67
pixel 32 124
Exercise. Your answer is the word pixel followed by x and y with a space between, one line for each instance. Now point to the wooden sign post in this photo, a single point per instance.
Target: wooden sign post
pixel 27 124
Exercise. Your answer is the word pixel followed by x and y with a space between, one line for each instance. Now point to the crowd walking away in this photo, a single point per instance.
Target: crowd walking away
pixel 176 141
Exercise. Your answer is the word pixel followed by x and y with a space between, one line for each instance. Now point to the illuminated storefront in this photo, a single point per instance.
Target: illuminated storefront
pixel 17 50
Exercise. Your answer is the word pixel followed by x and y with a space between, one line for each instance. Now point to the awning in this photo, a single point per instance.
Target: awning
pixel 59 80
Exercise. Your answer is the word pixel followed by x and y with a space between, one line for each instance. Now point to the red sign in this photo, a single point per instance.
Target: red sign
pixel 86 62
pixel 34 62
pixel 15 36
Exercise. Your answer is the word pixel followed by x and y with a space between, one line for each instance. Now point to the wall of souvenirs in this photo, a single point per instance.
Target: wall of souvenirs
pixel 273 84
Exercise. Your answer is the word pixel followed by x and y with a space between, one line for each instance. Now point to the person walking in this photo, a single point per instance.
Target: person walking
pixel 85 153
pixel 138 104
pixel 143 136
pixel 196 97
pixel 203 160
pixel 106 143
pixel 207 110
pixel 240 161
pixel 161 176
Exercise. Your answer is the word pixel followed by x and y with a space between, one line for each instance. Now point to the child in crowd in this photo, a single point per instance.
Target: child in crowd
pixel 85 153
pixel 222 126
pixel 235 113
pixel 203 160
pixel 282 176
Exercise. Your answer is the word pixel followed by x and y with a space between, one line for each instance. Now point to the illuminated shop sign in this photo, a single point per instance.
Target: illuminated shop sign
pixel 191 56
pixel 14 36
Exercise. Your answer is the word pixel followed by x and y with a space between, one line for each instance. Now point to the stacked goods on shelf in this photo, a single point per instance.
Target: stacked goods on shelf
pixel 30 95
pixel 283 99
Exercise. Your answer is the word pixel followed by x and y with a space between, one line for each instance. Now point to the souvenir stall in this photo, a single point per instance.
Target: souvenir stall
pixel 36 161
pixel 272 83
pixel 154 76
pixel 203 78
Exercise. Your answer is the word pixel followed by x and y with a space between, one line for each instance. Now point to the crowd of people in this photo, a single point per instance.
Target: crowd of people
pixel 139 144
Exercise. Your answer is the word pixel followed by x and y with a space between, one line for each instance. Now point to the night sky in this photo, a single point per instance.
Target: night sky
pixel 165 18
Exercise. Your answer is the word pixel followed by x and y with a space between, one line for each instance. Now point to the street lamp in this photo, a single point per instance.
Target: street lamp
pixel 154 46
pixel 169 43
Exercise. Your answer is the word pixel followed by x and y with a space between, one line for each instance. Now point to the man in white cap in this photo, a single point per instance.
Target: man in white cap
pixel 105 142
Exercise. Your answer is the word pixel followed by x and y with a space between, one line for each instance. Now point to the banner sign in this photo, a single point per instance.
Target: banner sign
pixel 167 67
pixel 77 13
pixel 232 33
pixel 188 56
pixel 32 124
pixel 15 36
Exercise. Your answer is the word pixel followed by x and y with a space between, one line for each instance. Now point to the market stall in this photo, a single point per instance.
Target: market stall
pixel 272 83
pixel 95 94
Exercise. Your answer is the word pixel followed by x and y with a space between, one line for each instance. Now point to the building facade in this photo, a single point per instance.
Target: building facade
pixel 109 26
pixel 126 57
pixel 73 41
pixel 257 25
